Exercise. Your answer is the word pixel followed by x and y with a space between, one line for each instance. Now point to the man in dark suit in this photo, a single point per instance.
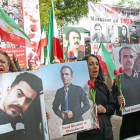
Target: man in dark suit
pixel 70 97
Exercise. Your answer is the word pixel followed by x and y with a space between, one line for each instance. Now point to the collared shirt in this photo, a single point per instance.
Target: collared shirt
pixel 66 91
pixel 134 74
pixel 130 86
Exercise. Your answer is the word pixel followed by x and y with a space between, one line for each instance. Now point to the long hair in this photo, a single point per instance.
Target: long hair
pixel 12 66
pixel 100 77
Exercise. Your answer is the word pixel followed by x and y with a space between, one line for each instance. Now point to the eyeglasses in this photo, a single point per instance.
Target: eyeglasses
pixel 31 62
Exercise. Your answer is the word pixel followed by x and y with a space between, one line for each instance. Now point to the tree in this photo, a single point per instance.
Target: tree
pixel 66 11
pixel 129 3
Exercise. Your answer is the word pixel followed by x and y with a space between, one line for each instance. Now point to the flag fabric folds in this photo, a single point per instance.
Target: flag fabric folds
pixel 54 49
pixel 69 52
pixel 106 61
pixel 42 43
pixel 11 32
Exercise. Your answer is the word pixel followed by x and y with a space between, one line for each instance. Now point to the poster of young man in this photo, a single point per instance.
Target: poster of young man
pixel 75 36
pixel 22 110
pixel 127 57
pixel 67 98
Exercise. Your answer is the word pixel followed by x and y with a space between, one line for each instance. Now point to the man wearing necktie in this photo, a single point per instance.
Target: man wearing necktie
pixel 70 97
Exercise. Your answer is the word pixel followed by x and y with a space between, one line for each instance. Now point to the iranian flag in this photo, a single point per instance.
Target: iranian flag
pixel 106 61
pixel 42 56
pixel 54 49
pixel 69 52
pixel 11 32
pixel 42 43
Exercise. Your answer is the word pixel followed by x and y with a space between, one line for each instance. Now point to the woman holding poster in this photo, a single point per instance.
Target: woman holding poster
pixel 103 99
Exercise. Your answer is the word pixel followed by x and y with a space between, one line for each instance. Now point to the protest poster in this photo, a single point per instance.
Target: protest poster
pixel 113 25
pixel 75 36
pixel 128 57
pixel 31 20
pixel 21 55
pixel 22 108
pixel 26 15
pixel 75 100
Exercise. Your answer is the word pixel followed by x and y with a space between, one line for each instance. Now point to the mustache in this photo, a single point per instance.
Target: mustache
pixel 16 106
pixel 76 43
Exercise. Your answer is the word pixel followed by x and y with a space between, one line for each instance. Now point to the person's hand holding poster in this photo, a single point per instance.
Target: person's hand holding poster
pixel 127 58
pixel 67 98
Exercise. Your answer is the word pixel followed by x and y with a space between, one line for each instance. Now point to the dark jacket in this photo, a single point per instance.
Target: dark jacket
pixel 130 89
pixel 80 55
pixel 19 68
pixel 103 97
pixel 12 132
pixel 134 38
pixel 76 95
pixel 123 39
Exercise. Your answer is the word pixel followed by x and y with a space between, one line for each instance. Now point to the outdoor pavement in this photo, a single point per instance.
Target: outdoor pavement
pixel 116 123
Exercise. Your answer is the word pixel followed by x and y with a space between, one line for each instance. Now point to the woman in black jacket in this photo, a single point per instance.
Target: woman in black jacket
pixel 104 101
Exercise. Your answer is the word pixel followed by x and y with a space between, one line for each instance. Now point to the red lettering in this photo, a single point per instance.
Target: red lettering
pixel 115 10
pixel 130 21
pixel 139 40
pixel 126 21
pixel 111 10
pixel 95 46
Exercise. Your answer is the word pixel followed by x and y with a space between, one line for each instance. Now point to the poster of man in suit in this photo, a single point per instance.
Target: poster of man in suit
pixel 67 98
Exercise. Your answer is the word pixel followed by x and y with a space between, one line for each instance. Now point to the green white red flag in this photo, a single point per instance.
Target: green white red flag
pixel 42 43
pixel 42 56
pixel 54 49
pixel 11 32
pixel 69 52
pixel 106 61
pixel 120 44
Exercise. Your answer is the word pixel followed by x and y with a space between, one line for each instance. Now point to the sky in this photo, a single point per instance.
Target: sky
pixel 52 79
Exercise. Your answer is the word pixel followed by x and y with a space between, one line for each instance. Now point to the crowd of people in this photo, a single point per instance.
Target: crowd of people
pixel 106 105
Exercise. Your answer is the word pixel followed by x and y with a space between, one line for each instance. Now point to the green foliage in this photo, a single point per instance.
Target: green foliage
pixel 66 11
pixel 129 3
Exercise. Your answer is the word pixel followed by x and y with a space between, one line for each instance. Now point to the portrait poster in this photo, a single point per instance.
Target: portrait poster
pixel 75 36
pixel 59 103
pixel 22 107
pixel 26 15
pixel 113 25
pixel 128 57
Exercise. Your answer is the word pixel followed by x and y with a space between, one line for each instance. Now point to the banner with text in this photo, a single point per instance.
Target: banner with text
pixel 113 25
